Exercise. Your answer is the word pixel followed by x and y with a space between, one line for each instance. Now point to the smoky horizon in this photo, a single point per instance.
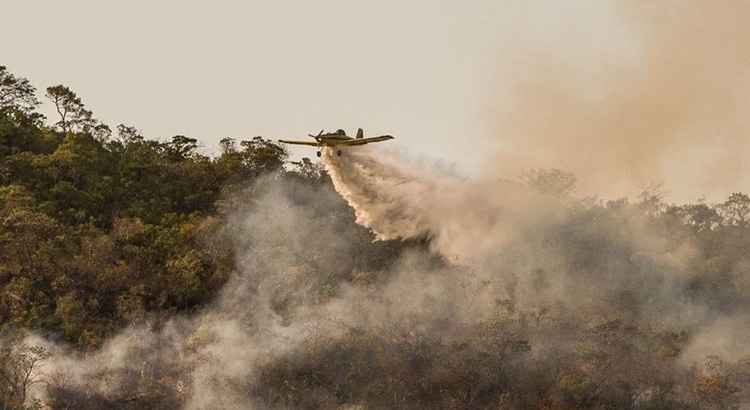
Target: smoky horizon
pixel 518 205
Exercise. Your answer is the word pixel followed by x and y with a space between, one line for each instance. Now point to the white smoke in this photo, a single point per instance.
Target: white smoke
pixel 467 221
pixel 481 224
pixel 506 263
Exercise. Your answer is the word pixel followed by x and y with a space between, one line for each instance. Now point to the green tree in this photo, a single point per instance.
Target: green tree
pixel 128 134
pixel 228 145
pixel 19 122
pixel 72 113
pixel 181 147
pixel 262 155
pixel 16 94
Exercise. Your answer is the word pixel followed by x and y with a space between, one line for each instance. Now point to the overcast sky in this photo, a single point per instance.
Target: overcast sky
pixel 425 71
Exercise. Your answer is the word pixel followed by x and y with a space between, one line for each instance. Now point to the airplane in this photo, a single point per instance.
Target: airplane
pixel 338 139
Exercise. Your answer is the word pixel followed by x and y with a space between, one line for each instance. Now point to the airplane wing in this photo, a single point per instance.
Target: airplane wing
pixel 363 141
pixel 310 143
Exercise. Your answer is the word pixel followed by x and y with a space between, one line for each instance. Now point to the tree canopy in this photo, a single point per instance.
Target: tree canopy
pixel 101 232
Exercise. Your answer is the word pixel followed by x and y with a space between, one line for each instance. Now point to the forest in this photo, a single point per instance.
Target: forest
pixel 137 272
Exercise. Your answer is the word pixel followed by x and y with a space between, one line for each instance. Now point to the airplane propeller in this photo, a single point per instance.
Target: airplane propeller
pixel 316 136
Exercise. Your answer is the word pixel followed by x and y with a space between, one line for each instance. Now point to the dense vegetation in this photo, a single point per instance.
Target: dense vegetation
pixel 101 230
pixel 97 231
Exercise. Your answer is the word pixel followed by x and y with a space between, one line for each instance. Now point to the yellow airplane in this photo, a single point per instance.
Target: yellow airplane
pixel 338 139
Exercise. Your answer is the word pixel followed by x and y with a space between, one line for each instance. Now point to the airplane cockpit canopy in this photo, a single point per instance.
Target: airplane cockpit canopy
pixel 340 132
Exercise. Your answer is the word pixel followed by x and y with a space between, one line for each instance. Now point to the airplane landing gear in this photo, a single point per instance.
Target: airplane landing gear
pixel 318 153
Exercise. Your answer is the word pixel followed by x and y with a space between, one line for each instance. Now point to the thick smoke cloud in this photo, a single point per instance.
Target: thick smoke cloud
pixel 509 298
pixel 515 296
pixel 398 199
pixel 636 94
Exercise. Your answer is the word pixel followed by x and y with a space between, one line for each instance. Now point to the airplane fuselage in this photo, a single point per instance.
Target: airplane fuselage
pixel 332 140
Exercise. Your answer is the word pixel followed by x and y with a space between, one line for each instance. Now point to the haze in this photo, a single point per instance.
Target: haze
pixel 136 273
pixel 444 77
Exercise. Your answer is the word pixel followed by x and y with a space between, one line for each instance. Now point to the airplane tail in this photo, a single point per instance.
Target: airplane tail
pixel 360 133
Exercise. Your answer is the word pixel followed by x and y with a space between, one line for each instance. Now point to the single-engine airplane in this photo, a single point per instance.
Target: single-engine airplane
pixel 338 139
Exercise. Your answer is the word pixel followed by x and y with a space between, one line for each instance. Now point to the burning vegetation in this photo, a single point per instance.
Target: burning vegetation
pixel 140 274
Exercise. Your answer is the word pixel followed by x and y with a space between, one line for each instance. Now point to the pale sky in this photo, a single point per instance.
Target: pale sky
pixel 622 93
pixel 426 72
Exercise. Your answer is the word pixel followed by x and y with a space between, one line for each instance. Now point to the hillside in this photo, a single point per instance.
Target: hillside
pixel 139 273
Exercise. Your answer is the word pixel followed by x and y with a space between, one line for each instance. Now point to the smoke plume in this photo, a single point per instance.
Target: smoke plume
pixel 639 93
pixel 401 200
pixel 501 295
pixel 491 292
